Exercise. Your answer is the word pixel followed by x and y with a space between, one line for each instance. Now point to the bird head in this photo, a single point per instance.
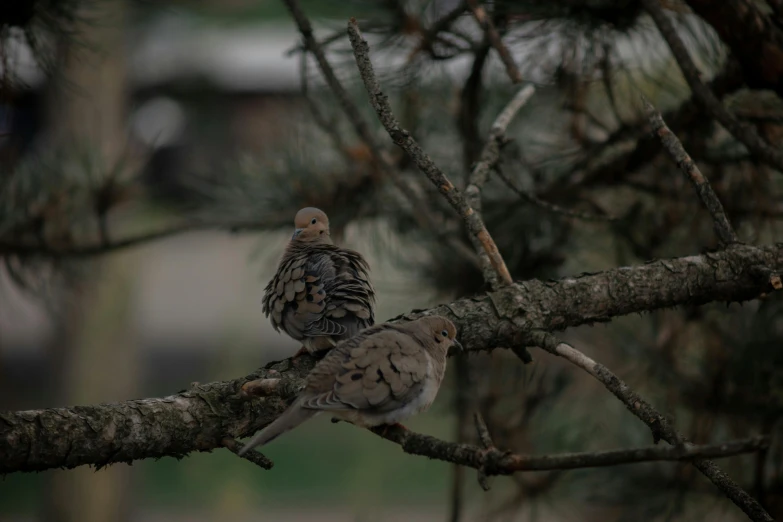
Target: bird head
pixel 311 225
pixel 436 331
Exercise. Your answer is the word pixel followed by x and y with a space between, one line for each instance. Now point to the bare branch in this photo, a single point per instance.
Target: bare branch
pixel 403 139
pixel 545 205
pixel 418 210
pixel 343 98
pixel 490 156
pixel 704 96
pixel 701 184
pixel 24 249
pixel 494 37
pixel 256 457
pixel 486 441
pixel 658 424
pixel 496 462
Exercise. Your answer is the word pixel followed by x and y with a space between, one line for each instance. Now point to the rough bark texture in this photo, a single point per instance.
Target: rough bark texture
pixel 199 419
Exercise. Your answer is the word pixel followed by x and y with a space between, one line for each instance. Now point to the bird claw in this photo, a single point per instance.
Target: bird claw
pixel 386 427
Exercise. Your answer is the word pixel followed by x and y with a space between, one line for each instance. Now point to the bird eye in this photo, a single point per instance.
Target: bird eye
pixel 444 333
pixel 313 221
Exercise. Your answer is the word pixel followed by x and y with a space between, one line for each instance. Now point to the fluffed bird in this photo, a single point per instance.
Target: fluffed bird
pixel 382 376
pixel 321 293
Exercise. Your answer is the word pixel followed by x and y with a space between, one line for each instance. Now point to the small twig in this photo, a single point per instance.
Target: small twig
pixel 329 127
pixel 403 139
pixel 497 462
pixel 545 205
pixel 429 36
pixel 703 95
pixel 482 430
pixel 490 156
pixel 257 458
pixel 418 210
pixel 659 425
pixel 486 441
pixel 98 248
pixel 700 183
pixel 343 98
pixel 497 42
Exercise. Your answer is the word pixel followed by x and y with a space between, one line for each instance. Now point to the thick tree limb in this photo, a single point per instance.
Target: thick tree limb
pixel 658 424
pixel 403 139
pixel 701 184
pixel 199 419
pixel 704 96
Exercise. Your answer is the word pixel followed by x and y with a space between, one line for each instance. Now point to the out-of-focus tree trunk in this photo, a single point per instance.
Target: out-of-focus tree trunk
pixel 94 357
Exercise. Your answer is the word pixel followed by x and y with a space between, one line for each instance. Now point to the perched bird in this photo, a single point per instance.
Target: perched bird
pixel 321 293
pixel 383 375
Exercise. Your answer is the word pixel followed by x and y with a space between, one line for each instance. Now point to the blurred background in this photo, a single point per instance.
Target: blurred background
pixel 152 157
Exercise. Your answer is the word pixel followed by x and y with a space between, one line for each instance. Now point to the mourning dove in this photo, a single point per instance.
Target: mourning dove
pixel 383 375
pixel 321 293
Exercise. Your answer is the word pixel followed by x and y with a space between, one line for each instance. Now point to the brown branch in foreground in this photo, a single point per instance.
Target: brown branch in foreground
pixel 659 425
pixel 700 183
pixel 703 95
pixel 403 139
pixel 497 42
pixel 497 462
pixel 198 419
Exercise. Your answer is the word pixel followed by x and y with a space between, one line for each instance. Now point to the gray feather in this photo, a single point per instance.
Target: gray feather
pixel 290 419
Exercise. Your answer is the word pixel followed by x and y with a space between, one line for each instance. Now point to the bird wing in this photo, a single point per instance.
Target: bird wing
pixel 378 371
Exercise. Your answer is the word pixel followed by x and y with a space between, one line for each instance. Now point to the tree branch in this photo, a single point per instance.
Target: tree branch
pixel 200 418
pixel 497 462
pixel 25 249
pixel 418 210
pixel 701 184
pixel 256 457
pixel 497 42
pixel 490 156
pixel 403 139
pixel 549 207
pixel 658 424
pixel 703 95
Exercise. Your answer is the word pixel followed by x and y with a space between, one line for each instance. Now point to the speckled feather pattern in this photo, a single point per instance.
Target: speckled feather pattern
pixel 320 294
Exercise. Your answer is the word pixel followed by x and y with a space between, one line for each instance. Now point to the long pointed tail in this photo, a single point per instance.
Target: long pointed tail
pixel 290 419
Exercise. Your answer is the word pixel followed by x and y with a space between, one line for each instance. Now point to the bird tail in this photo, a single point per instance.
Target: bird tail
pixel 290 419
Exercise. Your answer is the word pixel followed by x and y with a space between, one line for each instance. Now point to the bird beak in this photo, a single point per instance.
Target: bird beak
pixel 297 232
pixel 459 346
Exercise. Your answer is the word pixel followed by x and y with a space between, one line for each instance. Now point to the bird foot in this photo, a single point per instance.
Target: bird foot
pixel 302 351
pixel 384 429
